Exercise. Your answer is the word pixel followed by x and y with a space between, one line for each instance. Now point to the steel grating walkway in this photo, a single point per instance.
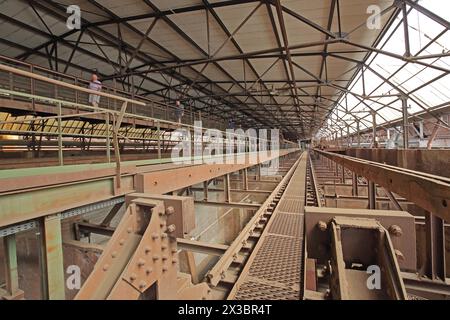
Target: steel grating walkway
pixel 273 270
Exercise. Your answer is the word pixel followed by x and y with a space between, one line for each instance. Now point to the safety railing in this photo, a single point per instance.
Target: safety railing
pixel 151 108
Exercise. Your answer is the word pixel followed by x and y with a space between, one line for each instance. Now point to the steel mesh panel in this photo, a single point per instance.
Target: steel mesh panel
pixel 295 191
pixel 288 224
pixel 279 259
pixel 276 268
pixel 261 291
pixel 290 205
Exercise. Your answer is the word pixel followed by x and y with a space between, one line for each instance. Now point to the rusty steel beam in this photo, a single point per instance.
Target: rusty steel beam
pixel 86 227
pixel 427 191
pixel 240 205
pixel 240 191
pixel 176 179
pixel 25 196
pixel 419 284
pixel 214 249
pixel 429 161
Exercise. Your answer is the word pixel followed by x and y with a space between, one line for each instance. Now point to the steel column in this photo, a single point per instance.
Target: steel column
pixel 52 264
pixel 245 179
pixel 405 121
pixel 60 144
pixel 159 139
pixel 108 139
pixel 354 184
pixel 371 194
pixel 374 130
pixel 358 133
pixel 226 186
pixel 435 247
pixel 11 274
pixel 205 190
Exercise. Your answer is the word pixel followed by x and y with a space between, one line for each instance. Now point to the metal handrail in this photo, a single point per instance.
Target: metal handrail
pixel 159 107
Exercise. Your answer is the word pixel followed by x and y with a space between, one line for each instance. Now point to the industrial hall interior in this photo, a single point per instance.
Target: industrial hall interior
pixel 224 150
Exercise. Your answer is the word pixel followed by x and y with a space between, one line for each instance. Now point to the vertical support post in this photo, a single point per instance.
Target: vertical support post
pixel 52 264
pixel 258 172
pixel 371 194
pixel 358 133
pixel 77 99
pixel 349 142
pixel 192 137
pixel 374 130
pixel 11 275
pixel 201 145
pixel 158 126
pixel 108 139
pixel 343 174
pixel 60 144
pixel 205 190
pixel 435 247
pixel 117 156
pixel 32 87
pixel 354 184
pixel 226 184
pixel 245 179
pixel 117 125
pixel 405 121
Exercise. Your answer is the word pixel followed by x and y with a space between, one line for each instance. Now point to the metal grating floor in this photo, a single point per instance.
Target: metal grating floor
pixel 274 268
pixel 257 290
pixel 287 224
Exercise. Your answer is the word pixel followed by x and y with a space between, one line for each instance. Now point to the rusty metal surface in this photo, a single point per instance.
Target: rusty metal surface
pixel 353 241
pixel 141 259
pixel 404 241
pixel 428 191
pixel 430 161
pixel 27 196
pixel 181 208
pixel 245 242
pixel 275 265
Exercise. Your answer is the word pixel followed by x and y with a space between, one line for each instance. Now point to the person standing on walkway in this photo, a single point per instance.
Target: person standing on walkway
pixel 95 85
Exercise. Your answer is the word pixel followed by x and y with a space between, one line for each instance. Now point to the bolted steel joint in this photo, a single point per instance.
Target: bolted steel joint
pixel 142 284
pixel 322 226
pixel 170 210
pixel 141 262
pixel 395 230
